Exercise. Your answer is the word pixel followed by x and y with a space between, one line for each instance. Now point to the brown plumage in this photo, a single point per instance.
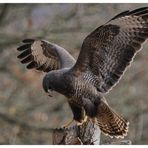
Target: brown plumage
pixel 103 58
pixel 44 56
pixel 110 122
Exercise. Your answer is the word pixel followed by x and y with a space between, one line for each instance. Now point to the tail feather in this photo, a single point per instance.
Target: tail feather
pixel 110 122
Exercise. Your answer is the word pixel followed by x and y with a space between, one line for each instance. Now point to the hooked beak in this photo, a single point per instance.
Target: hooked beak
pixel 49 92
pixel 46 87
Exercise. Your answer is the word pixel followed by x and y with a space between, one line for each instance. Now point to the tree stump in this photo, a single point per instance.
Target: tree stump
pixel 86 134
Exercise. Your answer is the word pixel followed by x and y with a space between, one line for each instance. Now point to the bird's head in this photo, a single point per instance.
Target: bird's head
pixel 53 82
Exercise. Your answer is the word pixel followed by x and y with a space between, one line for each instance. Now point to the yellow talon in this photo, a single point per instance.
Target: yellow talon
pixel 83 121
pixel 68 124
pixel 78 123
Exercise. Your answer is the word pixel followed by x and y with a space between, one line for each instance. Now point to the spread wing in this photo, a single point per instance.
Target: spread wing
pixel 109 49
pixel 44 56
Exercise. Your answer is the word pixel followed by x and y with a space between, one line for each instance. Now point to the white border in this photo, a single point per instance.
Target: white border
pixel 74 146
pixel 74 1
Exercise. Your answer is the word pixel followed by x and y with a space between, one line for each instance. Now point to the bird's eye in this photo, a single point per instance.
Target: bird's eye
pixel 49 88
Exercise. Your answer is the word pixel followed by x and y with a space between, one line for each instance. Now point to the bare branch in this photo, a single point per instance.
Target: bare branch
pixel 23 124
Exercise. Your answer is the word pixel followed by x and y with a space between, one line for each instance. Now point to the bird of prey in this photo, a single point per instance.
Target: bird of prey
pixel 105 54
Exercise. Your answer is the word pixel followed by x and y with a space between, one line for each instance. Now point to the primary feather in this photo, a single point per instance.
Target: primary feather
pixel 44 56
pixel 109 49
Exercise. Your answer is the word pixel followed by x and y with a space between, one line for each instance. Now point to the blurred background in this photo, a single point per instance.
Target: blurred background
pixel 26 112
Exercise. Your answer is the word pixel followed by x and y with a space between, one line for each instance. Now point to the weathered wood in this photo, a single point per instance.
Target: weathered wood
pixel 86 134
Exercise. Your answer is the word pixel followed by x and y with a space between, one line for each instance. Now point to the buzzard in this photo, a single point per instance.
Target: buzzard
pixel 105 54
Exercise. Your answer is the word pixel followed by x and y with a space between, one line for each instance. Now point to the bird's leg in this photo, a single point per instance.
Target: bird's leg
pixel 83 121
pixel 78 123
pixel 68 123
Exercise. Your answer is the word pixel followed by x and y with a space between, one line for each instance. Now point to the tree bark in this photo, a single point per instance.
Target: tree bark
pixel 86 134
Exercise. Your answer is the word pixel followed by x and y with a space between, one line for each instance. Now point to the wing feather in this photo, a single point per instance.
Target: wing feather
pixel 109 49
pixel 43 55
